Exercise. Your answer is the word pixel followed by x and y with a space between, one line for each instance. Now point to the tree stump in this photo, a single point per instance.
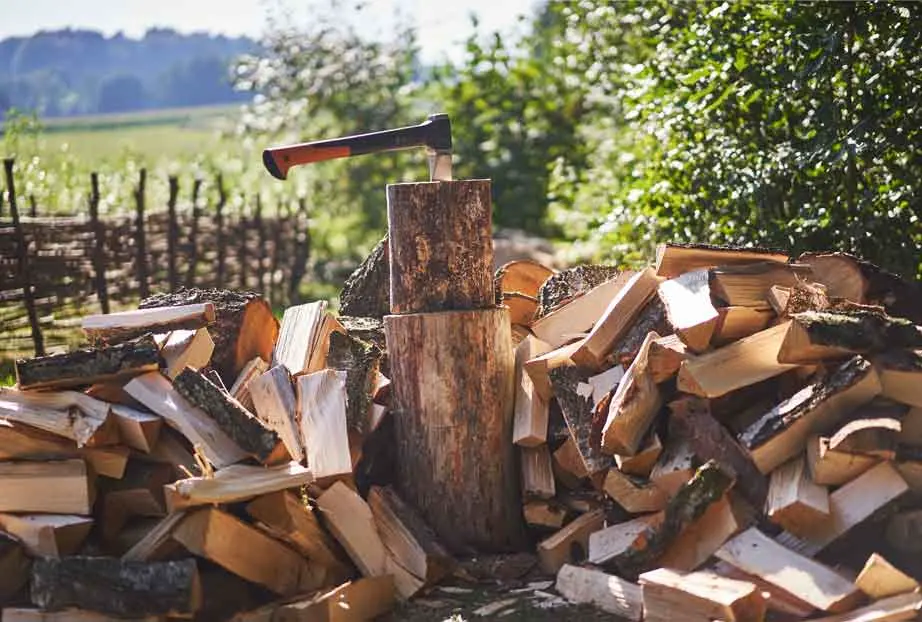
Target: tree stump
pixel 452 367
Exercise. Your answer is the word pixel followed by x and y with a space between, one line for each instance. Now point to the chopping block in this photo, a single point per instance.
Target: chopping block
pixel 452 366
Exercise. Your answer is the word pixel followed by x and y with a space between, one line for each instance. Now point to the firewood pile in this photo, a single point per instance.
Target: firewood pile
pixel 695 438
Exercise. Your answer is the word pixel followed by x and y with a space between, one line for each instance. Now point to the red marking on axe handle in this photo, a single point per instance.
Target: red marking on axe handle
pixel 279 159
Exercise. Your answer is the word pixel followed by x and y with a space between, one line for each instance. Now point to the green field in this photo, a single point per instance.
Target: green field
pixel 151 135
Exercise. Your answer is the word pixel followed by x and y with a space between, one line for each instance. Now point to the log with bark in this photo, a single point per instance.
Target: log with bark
pixel 366 293
pixel 244 326
pixel 817 335
pixel 360 360
pixel 80 368
pixel 114 328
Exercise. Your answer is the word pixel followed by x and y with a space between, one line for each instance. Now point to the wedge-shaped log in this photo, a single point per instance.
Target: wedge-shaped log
pixel 275 404
pixel 783 432
pixel 849 506
pixel 829 467
pixel 580 314
pixel 699 597
pixel 880 579
pixel 814 336
pixel 48 535
pixel 245 430
pixel 570 544
pixel 136 429
pixel 116 587
pixel 740 364
pixel 652 318
pixel 529 426
pixel 568 465
pixel 408 539
pixel 873 429
pixel 304 337
pixel 63 420
pixel 156 392
pixel 544 514
pixel 755 553
pixel 616 319
pixel 687 299
pixel 607 544
pixel 794 501
pixel 59 487
pixel 125 325
pixel 80 368
pixel 675 466
pixel 633 407
pixel 240 390
pixel 579 414
pixel 708 486
pixel 537 473
pixel 15 567
pixel 539 367
pixel 285 517
pixel 324 431
pixel 709 440
pixel 900 374
pixel 352 523
pixel 244 326
pixel 641 463
pixel 235 483
pixel 609 593
pixel 892 609
pixel 634 496
pixel 355 601
pixel 186 348
pixel 673 259
pixel 748 285
pixel 665 357
pixel 246 551
pixel 698 542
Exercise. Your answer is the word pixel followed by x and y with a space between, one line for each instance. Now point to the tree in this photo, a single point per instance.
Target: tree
pixel 120 94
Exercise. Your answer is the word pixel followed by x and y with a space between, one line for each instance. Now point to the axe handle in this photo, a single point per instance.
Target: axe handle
pixel 279 159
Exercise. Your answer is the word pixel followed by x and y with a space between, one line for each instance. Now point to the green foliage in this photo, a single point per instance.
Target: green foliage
pixel 780 124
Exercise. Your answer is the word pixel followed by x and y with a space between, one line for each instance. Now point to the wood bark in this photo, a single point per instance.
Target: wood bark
pixel 815 335
pixel 360 360
pixel 453 377
pixel 566 285
pixel 440 246
pixel 113 328
pixel 366 293
pixel 579 414
pixel 244 325
pixel 247 431
pixel 84 367
pixel 116 587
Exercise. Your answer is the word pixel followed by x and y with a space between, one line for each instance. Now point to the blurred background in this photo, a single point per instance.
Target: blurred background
pixel 605 126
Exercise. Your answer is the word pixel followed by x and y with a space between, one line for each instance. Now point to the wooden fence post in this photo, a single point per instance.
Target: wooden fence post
pixel 22 249
pixel 141 257
pixel 276 251
pixel 219 221
pixel 172 233
pixel 301 252
pixel 261 246
pixel 99 259
pixel 242 255
pixel 193 234
pixel 33 210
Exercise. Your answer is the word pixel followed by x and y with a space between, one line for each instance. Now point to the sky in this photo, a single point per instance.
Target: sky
pixel 442 25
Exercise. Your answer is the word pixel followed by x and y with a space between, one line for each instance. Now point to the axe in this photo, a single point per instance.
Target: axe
pixel 434 134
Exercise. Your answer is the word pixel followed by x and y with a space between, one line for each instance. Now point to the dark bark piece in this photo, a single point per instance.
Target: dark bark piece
pixel 116 587
pixel 368 329
pixel 579 414
pixel 244 326
pixel 651 319
pixel 244 428
pixel 453 393
pixel 440 246
pixel 85 367
pixel 709 440
pixel 116 328
pixel 359 360
pixel 709 484
pixel 566 285
pixel 14 567
pixel 366 293
pixel 859 332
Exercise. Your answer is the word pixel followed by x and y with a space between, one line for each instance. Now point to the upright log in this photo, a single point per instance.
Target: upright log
pixel 441 244
pixel 99 259
pixel 22 256
pixel 141 240
pixel 452 366
pixel 172 233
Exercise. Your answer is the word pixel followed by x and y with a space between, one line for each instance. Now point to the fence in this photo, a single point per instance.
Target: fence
pixel 53 270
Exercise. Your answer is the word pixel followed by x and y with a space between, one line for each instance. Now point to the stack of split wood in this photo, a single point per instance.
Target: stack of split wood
pixel 200 460
pixel 726 433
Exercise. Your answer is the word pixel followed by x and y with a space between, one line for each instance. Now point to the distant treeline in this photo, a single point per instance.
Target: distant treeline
pixel 77 72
